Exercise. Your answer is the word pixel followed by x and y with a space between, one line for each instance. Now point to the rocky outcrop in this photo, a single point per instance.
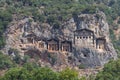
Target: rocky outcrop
pixel 88 56
pixel 20 31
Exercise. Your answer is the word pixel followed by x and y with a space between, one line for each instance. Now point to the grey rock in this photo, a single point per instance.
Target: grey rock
pixel 90 58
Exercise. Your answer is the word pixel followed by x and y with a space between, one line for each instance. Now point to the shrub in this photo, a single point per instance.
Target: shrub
pixel 5 62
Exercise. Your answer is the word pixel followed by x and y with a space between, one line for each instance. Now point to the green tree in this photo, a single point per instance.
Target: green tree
pixel 5 19
pixel 111 71
pixel 5 62
pixel 45 74
pixel 68 74
pixel 83 78
pixel 17 74
pixel 16 58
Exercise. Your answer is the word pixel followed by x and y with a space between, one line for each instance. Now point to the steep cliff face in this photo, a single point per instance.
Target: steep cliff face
pixel 98 24
pixel 33 38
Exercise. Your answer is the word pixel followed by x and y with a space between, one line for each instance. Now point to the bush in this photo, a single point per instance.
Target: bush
pixel 69 74
pixel 2 42
pixel 16 58
pixel 17 74
pixel 111 71
pixel 39 73
pixel 5 19
pixel 90 9
pixel 5 62
pixel 45 74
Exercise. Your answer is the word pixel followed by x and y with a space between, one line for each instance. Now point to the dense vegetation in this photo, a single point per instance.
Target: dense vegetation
pixel 30 73
pixel 54 12
pixel 5 18
pixel 33 71
pixel 5 62
pixel 111 71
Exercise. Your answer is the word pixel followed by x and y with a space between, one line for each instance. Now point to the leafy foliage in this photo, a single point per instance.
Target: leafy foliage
pixel 5 18
pixel 39 73
pixel 45 74
pixel 54 12
pixel 111 71
pixel 5 62
pixel 68 74
pixel 17 73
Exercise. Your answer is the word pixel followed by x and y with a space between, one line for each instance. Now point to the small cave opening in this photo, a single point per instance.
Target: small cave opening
pixel 85 55
pixel 69 58
pixel 21 40
pixel 80 61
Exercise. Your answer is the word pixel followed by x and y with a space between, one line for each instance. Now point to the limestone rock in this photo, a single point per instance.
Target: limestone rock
pixel 23 35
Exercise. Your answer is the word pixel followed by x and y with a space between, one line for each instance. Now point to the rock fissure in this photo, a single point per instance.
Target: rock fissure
pixel 85 38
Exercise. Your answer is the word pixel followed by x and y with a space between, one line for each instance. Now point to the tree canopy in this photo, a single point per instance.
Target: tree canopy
pixel 22 73
pixel 111 71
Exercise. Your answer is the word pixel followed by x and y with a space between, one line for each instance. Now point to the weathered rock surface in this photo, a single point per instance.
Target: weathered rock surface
pixel 19 30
